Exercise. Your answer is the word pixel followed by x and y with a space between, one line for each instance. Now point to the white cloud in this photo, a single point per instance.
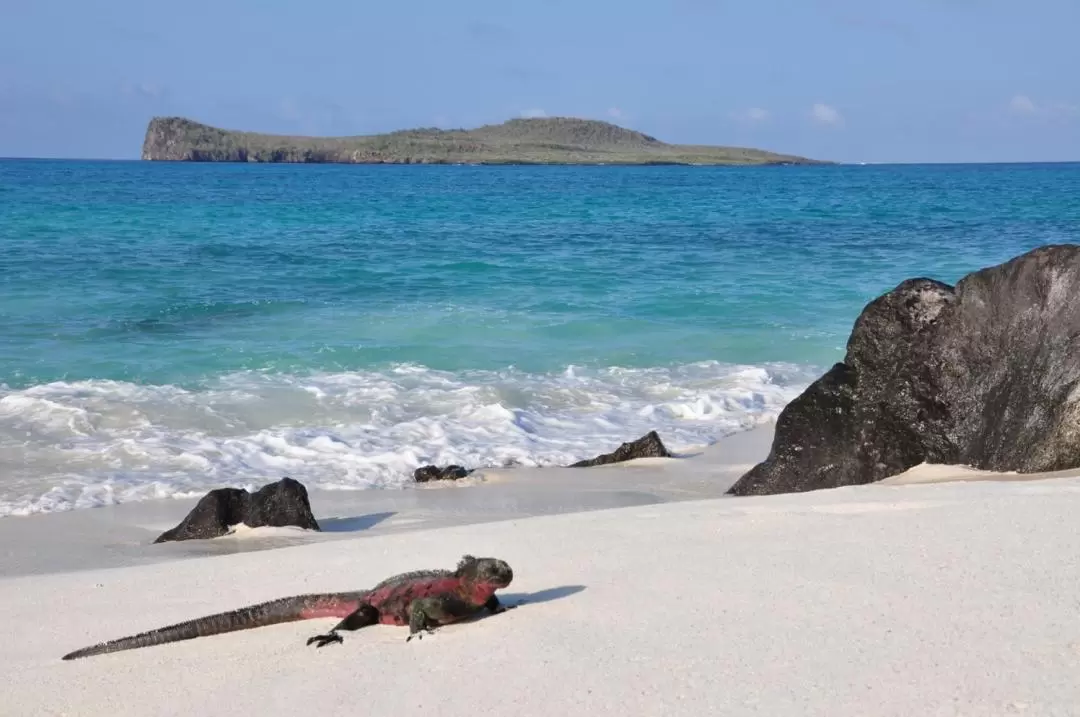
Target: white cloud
pixel 533 113
pixel 826 114
pixel 753 115
pixel 1065 110
pixel 149 89
pixel 615 112
pixel 1024 106
pixel 145 90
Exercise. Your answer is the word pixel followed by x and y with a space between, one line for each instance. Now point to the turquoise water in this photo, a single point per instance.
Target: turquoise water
pixel 167 328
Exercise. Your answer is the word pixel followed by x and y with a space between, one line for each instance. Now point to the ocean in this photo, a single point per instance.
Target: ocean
pixel 166 329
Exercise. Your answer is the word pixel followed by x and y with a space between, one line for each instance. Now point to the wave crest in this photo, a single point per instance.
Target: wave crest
pixel 68 445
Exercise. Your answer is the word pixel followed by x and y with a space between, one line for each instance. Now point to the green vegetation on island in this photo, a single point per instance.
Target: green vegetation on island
pixel 548 140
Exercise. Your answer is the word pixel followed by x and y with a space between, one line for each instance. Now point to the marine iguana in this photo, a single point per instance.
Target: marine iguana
pixel 421 599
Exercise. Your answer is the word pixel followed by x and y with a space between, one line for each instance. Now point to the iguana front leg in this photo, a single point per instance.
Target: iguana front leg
pixel 361 617
pixel 425 614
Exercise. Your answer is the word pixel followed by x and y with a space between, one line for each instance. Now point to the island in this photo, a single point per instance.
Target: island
pixel 547 140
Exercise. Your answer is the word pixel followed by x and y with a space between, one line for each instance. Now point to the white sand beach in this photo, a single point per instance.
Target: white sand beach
pixel 661 598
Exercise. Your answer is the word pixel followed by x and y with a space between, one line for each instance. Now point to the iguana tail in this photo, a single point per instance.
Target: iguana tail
pixel 298 607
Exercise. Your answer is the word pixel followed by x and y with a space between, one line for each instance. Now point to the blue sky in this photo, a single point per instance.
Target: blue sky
pixel 850 80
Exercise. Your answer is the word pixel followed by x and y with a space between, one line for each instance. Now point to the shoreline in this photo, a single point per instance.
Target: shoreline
pixel 76 444
pixel 118 536
pixel 121 535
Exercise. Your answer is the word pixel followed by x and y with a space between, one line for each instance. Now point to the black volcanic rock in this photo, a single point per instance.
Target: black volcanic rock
pixel 284 503
pixel 424 474
pixel 986 373
pixel 648 446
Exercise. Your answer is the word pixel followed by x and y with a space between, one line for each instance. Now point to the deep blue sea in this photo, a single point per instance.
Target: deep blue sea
pixel 170 328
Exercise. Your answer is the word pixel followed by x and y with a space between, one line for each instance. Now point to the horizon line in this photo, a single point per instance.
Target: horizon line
pixel 553 164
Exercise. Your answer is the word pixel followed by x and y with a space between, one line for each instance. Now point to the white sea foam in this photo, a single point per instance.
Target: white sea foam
pixel 81 444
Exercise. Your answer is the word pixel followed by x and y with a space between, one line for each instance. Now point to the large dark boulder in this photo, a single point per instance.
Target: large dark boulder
pixel 984 373
pixel 648 446
pixel 280 504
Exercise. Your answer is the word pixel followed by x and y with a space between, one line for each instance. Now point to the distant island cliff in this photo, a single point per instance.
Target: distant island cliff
pixel 549 140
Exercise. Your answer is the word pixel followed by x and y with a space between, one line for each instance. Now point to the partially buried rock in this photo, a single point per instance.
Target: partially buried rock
pixel 986 374
pixel 280 504
pixel 424 474
pixel 648 446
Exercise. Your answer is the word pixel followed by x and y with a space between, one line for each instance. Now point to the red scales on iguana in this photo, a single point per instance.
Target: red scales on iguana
pixel 422 599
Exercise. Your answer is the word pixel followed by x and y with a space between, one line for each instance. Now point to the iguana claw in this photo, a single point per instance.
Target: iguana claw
pixel 420 634
pixel 323 640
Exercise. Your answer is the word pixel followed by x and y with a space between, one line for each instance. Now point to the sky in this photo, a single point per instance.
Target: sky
pixel 845 80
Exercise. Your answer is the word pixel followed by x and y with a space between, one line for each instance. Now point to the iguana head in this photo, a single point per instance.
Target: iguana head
pixel 491 571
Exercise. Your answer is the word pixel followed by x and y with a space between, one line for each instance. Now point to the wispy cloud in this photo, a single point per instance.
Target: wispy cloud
pixel 826 115
pixel 752 115
pixel 615 113
pixel 533 113
pixel 488 31
pixel 144 90
pixel 1023 106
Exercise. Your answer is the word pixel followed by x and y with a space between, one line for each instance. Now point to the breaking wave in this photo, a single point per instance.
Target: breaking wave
pixel 68 445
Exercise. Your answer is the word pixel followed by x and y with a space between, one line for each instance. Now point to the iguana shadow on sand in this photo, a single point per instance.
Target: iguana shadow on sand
pixel 422 599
